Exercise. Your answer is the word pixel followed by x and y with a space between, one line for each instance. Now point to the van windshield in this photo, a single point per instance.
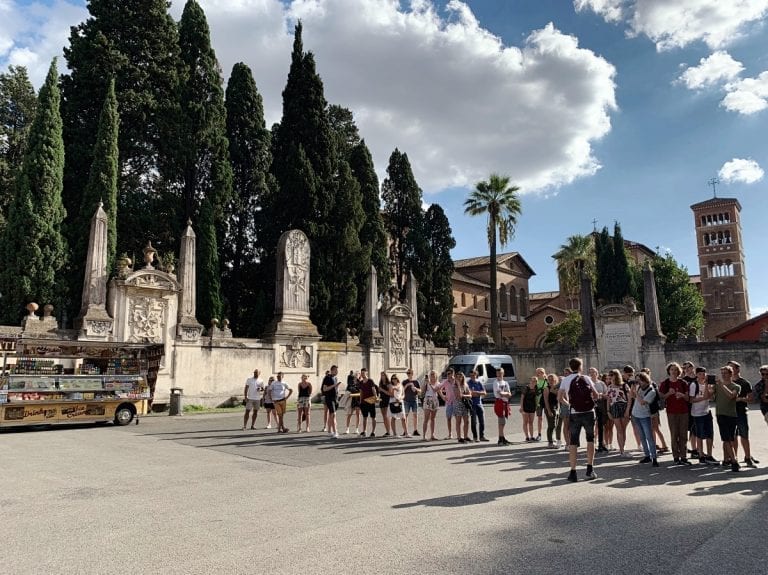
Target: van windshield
pixel 509 371
pixel 465 368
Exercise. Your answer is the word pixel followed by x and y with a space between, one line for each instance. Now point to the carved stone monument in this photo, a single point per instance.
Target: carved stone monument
pixel 619 330
pixel 93 322
pixel 292 332
pixel 188 329
pixel 396 323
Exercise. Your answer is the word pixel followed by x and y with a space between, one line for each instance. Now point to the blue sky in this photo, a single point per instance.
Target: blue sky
pixel 607 110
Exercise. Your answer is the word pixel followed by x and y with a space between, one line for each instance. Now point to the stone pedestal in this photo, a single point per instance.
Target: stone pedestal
pixel 619 330
pixel 396 324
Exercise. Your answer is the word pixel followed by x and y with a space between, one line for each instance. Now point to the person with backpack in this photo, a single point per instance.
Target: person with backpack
pixel 656 408
pixel 675 392
pixel 700 395
pixel 578 392
pixel 645 395
pixel 618 408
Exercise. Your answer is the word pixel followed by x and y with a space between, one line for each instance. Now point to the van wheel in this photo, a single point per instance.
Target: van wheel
pixel 124 414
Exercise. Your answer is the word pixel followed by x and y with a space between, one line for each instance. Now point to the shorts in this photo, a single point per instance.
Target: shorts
pixel 411 406
pixel 501 409
pixel 727 425
pixel 269 405
pixel 565 410
pixel 280 407
pixel 353 404
pixel 384 403
pixel 302 402
pixel 331 405
pixel 251 404
pixel 764 408
pixel 430 403
pixel 742 425
pixel 618 410
pixel 531 411
pixel 704 429
pixel 579 421
pixel 449 409
pixel 368 410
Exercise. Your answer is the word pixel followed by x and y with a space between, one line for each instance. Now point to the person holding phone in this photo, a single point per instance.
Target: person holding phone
pixel 725 392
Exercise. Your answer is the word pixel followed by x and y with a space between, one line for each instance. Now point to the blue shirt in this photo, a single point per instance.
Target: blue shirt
pixel 475 385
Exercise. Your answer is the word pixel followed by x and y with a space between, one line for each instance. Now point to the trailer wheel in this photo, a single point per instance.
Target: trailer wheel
pixel 124 414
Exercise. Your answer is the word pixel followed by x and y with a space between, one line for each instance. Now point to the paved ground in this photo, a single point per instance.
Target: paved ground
pixel 195 494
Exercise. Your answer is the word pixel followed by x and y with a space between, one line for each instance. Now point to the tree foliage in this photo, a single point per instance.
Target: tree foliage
pixel 501 203
pixel 101 187
pixel 205 169
pixel 577 254
pixel 681 306
pixel 403 219
pixel 17 111
pixel 566 333
pixel 251 158
pixel 435 290
pixel 33 244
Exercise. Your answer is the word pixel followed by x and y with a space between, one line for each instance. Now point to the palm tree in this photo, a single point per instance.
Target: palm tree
pixel 501 202
pixel 577 254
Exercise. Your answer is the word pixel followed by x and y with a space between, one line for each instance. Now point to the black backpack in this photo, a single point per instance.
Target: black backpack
pixel 580 395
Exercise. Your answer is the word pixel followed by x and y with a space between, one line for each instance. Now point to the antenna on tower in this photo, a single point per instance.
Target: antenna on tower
pixel 713 182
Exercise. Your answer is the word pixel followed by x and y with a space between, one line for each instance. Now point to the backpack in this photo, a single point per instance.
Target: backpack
pixel 580 395
pixel 655 406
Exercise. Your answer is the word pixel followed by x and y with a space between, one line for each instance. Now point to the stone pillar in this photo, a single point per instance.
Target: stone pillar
pixel 371 335
pixel 93 322
pixel 292 290
pixel 587 338
pixel 187 327
pixel 653 333
pixel 413 304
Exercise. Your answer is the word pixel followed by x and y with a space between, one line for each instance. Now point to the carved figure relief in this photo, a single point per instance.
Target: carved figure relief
pixel 297 265
pixel 96 327
pixel 296 355
pixel 151 281
pixel 398 336
pixel 146 320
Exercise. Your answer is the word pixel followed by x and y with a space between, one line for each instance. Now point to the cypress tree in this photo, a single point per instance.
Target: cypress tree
pixel 251 159
pixel 101 187
pixel 136 43
pixel 372 234
pixel 403 218
pixel 435 291
pixel 623 279
pixel 208 279
pixel 604 263
pixel 34 246
pixel 205 169
pixel 17 111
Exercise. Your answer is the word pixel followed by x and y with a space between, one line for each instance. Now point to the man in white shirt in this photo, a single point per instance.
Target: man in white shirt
pixel 501 393
pixel 279 391
pixel 579 394
pixel 253 392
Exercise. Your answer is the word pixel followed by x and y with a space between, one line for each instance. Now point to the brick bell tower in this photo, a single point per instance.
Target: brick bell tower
pixel 721 264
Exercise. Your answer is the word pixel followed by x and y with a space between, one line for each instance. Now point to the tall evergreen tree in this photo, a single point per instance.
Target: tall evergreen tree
pixel 342 123
pixel 136 43
pixel 604 285
pixel 209 306
pixel 34 247
pixel 17 111
pixel 372 234
pixel 251 159
pixel 101 187
pixel 435 291
pixel 403 218
pixel 623 282
pixel 205 169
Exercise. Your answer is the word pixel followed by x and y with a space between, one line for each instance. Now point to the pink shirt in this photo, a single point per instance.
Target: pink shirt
pixel 450 390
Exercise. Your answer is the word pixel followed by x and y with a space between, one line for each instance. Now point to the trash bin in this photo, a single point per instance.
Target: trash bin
pixel 176 394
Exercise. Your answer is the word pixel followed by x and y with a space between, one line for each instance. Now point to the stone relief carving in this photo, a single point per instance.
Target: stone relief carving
pixel 96 327
pixel 146 320
pixel 295 355
pixel 297 264
pixel 397 341
pixel 151 281
pixel 190 333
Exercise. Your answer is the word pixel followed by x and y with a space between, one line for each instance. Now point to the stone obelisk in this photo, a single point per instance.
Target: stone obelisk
pixel 371 335
pixel 188 328
pixel 93 321
pixel 653 333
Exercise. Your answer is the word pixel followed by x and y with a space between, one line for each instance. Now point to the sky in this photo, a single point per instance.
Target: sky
pixel 599 110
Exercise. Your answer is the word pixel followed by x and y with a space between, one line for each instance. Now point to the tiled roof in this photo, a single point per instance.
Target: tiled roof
pixel 458 276
pixel 486 260
pixel 713 202
pixel 543 295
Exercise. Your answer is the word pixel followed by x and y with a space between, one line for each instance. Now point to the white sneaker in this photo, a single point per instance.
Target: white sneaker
pixel 330 433
pixel 324 429
pixel 335 435
pixel 269 426
pixel 559 444
pixel 347 431
pixel 357 431
pixel 628 455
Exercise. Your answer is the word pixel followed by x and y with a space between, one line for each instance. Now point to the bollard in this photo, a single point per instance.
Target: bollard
pixel 176 395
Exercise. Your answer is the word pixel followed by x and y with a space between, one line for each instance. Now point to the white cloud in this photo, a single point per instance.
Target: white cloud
pixel 676 24
pixel 747 95
pixel 433 83
pixel 717 68
pixel 740 170
pixel 756 311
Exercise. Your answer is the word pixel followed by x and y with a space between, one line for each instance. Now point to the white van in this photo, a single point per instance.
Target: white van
pixel 486 369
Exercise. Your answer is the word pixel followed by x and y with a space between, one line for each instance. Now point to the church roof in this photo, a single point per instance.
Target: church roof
pixel 458 276
pixel 486 260
pixel 716 202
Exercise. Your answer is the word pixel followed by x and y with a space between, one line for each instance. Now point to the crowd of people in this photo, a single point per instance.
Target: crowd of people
pixel 601 404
